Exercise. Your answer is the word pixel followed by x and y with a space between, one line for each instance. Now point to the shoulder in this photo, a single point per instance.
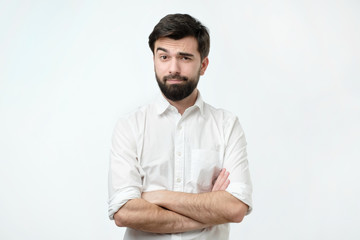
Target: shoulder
pixel 221 115
pixel 135 119
pixel 133 116
pixel 225 120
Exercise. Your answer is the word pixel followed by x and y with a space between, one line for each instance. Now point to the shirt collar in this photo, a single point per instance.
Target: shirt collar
pixel 162 104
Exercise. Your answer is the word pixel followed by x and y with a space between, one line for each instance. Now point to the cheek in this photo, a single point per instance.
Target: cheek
pixel 192 70
pixel 160 72
pixel 160 68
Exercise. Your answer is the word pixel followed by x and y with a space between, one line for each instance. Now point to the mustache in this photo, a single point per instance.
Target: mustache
pixel 176 76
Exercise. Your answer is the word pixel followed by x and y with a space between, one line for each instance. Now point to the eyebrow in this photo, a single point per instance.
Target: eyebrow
pixel 184 54
pixel 161 49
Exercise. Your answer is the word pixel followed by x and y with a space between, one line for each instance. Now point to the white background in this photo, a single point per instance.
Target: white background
pixel 288 69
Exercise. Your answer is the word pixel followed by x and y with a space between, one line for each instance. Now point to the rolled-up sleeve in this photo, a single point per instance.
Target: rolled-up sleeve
pixel 236 162
pixel 125 173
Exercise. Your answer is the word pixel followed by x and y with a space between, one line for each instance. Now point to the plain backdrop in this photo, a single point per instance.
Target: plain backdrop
pixel 290 71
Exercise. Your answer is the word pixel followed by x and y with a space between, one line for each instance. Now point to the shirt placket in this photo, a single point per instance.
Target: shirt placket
pixel 179 155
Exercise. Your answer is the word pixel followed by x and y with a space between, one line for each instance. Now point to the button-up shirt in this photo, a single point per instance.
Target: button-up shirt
pixel 156 148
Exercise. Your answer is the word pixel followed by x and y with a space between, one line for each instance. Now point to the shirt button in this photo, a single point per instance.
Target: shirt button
pixel 179 154
pixel 180 127
pixel 178 180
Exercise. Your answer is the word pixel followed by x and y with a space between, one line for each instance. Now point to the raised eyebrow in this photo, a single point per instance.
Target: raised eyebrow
pixel 184 54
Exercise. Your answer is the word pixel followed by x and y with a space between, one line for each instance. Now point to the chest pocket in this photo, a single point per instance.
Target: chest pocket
pixel 205 167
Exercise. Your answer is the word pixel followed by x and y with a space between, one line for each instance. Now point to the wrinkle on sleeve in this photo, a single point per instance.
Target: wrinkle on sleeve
pixel 125 172
pixel 236 162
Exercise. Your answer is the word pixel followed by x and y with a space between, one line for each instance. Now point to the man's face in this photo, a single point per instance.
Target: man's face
pixel 178 66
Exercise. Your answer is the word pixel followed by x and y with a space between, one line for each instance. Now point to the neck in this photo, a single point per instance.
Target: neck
pixel 185 103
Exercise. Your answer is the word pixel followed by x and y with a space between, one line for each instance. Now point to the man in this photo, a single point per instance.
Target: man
pixel 178 167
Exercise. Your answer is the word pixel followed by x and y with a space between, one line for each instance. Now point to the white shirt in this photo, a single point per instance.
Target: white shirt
pixel 156 148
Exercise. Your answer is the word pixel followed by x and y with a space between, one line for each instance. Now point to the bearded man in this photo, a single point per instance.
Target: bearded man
pixel 178 166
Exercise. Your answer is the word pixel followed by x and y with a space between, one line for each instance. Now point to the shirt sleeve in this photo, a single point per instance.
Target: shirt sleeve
pixel 236 162
pixel 125 173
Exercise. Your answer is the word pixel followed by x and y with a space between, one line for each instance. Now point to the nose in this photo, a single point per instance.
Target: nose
pixel 174 67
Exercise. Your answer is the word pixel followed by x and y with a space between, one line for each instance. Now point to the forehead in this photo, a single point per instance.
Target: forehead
pixel 186 44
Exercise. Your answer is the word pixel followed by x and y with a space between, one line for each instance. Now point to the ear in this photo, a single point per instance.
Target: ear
pixel 154 62
pixel 204 64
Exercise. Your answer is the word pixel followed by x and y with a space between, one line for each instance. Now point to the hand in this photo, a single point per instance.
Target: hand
pixel 222 181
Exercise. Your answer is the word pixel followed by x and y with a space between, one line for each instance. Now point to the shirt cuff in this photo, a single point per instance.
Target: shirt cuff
pixel 242 192
pixel 120 197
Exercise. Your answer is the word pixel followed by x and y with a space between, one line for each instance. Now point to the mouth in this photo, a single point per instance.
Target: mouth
pixel 175 81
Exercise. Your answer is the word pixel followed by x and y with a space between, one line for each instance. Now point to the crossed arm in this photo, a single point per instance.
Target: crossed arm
pixel 171 212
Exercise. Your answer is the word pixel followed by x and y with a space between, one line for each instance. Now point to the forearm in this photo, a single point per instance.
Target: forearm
pixel 144 216
pixel 209 208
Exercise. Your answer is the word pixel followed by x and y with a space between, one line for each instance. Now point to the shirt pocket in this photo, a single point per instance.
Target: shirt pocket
pixel 205 167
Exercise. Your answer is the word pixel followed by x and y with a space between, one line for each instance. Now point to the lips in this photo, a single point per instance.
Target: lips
pixel 175 78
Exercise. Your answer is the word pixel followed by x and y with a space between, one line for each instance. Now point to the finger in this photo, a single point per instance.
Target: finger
pixel 223 181
pixel 225 185
pixel 216 184
pixel 220 180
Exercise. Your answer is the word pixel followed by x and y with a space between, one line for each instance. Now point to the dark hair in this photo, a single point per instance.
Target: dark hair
pixel 178 26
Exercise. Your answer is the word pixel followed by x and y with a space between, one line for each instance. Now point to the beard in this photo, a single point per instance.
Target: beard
pixel 177 92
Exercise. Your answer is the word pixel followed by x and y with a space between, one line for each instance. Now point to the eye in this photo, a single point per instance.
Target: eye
pixel 163 57
pixel 185 58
